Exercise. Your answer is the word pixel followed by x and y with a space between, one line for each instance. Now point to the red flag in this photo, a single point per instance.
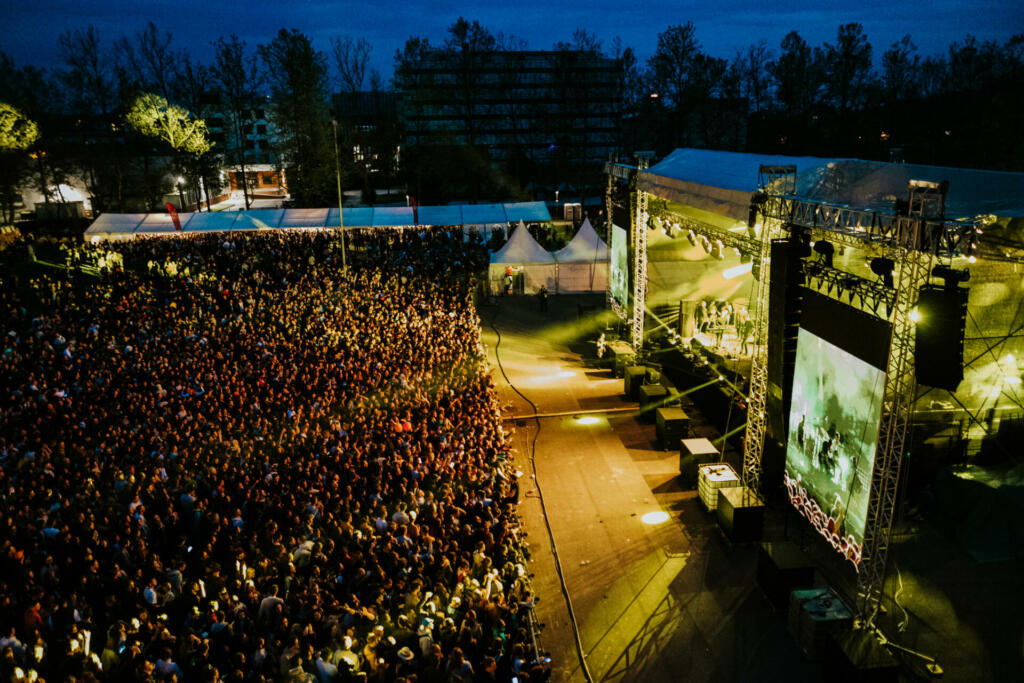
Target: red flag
pixel 174 216
pixel 415 210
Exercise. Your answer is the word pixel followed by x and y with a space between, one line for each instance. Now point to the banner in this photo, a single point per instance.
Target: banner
pixel 174 216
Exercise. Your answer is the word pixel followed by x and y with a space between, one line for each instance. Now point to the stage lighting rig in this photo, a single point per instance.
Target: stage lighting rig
pixel 883 267
pixel 826 250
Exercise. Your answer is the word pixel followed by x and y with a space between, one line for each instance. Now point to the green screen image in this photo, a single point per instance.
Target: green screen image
pixel 619 265
pixel 833 433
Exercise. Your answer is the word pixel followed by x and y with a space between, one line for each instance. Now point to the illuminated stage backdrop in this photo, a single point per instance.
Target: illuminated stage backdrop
pixel 834 422
pixel 619 266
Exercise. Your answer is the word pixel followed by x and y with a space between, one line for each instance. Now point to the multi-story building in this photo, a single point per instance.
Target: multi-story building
pixel 262 169
pixel 368 125
pixel 546 105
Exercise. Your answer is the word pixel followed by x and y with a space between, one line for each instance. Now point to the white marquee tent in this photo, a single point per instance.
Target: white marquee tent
pixel 113 226
pixel 583 262
pixel 537 265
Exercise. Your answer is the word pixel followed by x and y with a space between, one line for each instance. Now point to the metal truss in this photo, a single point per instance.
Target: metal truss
pixel 913 269
pixel 744 243
pixel 757 414
pixel 861 292
pixel 608 206
pixel 640 259
pixel 935 236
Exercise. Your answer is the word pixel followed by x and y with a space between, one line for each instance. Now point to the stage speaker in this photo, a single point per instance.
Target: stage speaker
pixel 785 305
pixel 939 336
pixel 687 312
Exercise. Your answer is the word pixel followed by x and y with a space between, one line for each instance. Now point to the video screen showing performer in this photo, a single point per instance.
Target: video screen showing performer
pixel 833 434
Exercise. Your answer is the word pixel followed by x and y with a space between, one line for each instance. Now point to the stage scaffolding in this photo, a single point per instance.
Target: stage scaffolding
pixel 643 160
pixel 912 241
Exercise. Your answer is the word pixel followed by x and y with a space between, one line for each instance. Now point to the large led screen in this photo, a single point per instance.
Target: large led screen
pixel 619 265
pixel 833 433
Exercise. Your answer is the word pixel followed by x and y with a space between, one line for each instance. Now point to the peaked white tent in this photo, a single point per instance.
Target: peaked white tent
pixel 583 262
pixel 522 251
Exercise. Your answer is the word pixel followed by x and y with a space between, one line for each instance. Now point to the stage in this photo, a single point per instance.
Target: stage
pixel 677 601
pixel 652 602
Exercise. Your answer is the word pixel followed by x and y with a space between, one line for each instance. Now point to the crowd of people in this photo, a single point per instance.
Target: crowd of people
pixel 230 459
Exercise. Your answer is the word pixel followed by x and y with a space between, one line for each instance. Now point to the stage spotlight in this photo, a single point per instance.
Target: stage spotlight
pixel 705 244
pixel 692 237
pixel 654 223
pixel 883 267
pixel 827 250
pixel 745 258
pixel 717 250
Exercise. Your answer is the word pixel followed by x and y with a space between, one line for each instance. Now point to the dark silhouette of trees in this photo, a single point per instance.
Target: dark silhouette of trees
pixel 297 76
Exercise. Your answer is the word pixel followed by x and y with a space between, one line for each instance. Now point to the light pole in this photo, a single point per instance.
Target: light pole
pixel 341 220
pixel 181 194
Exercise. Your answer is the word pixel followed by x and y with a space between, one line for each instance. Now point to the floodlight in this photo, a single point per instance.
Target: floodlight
pixel 692 237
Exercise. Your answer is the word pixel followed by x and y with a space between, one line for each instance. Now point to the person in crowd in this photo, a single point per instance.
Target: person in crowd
pixel 225 457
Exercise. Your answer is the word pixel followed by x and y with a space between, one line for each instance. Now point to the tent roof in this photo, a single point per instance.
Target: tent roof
pixel 160 222
pixel 258 219
pixel 303 218
pixel 212 222
pixel 392 215
pixel 527 211
pixel 586 246
pixel 115 223
pixel 522 248
pixel 481 214
pixel 358 217
pixel 722 182
pixel 440 215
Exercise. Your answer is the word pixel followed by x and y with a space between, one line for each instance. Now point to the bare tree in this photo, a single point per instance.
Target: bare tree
pixel 900 69
pixel 351 57
pixel 753 70
pixel 237 78
pixel 149 62
pixel 87 74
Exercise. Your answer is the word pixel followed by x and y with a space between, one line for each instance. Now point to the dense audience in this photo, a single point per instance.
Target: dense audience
pixel 227 459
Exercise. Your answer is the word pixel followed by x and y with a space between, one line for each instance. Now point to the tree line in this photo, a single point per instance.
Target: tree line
pixel 957 109
pixel 128 115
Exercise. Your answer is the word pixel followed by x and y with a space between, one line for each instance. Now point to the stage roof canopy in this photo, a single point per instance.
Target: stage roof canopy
pixel 722 182
pixel 120 226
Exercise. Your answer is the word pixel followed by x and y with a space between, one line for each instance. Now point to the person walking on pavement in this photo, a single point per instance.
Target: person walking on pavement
pixel 542 295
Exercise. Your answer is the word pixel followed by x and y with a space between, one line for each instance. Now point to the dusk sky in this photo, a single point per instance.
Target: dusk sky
pixel 723 26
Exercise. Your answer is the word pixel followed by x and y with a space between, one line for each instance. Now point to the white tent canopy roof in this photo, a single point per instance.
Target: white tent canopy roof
pixel 122 225
pixel 722 182
pixel 522 248
pixel 586 246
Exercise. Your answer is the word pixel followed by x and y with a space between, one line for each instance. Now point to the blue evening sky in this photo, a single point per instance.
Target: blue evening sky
pixel 723 26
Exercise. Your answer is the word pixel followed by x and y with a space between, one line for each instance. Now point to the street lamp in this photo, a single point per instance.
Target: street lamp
pixel 341 220
pixel 181 194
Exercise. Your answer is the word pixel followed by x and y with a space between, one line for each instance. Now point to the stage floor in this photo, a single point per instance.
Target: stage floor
pixel 677 601
pixel 666 602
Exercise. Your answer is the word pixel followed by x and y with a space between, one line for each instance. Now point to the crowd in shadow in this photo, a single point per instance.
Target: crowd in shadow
pixel 230 458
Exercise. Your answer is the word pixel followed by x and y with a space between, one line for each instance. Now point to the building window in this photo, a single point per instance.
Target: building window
pixel 267 179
